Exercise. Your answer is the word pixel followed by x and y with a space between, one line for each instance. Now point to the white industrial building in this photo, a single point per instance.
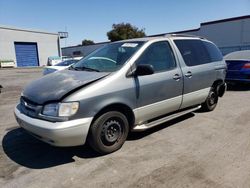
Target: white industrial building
pixel 27 47
pixel 232 34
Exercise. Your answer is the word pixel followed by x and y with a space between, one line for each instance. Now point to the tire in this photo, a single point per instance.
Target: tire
pixel 211 101
pixel 108 132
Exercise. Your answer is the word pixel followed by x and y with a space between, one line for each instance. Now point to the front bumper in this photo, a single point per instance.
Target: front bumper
pixel 68 133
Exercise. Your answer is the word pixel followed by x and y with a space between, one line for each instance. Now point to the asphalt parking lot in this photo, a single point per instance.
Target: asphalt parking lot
pixel 197 150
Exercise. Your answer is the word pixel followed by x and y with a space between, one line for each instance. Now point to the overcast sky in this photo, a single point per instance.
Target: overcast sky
pixel 91 19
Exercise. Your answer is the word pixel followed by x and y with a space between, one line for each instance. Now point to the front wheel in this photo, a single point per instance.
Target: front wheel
pixel 211 101
pixel 108 132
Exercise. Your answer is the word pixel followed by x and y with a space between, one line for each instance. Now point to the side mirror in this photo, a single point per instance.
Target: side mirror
pixel 141 70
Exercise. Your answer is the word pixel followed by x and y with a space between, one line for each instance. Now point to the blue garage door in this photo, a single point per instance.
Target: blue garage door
pixel 26 54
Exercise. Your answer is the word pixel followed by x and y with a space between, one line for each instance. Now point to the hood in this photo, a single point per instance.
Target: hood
pixel 54 86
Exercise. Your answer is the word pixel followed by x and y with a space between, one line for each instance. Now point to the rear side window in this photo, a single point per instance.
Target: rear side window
pixel 197 52
pixel 159 55
pixel 214 52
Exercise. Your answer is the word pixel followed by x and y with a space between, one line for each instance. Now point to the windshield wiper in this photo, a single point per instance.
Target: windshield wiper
pixel 83 69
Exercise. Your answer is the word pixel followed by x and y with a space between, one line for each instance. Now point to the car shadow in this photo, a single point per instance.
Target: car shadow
pixel 237 86
pixel 27 151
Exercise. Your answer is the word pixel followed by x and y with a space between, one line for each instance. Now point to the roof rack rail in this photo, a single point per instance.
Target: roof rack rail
pixel 182 35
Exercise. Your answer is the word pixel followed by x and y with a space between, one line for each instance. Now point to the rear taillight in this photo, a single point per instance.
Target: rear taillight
pixel 246 66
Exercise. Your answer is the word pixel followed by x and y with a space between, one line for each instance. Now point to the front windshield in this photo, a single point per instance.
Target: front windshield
pixel 108 58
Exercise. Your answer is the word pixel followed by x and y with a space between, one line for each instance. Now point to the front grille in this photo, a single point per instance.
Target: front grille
pixel 29 108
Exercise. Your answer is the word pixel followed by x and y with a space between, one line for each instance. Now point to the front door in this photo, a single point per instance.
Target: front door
pixel 161 92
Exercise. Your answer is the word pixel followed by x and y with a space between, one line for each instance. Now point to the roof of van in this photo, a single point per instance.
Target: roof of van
pixel 165 36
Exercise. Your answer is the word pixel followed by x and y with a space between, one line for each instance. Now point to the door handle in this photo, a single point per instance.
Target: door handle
pixel 188 74
pixel 177 77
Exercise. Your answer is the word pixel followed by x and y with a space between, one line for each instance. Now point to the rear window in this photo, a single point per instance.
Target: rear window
pixel 197 52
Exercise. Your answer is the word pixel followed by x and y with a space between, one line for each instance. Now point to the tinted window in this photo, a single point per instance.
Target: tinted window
pixel 214 52
pixel 193 52
pixel 159 55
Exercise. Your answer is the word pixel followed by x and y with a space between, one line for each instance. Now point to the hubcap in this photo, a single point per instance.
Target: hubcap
pixel 212 98
pixel 111 131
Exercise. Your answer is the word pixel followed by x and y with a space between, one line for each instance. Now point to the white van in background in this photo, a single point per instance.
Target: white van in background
pixel 52 60
pixel 61 65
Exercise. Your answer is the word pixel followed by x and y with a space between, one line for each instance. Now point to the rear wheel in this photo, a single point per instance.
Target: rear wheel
pixel 108 132
pixel 211 101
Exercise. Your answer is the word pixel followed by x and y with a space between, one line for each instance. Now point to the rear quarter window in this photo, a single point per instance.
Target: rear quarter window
pixel 198 52
pixel 214 52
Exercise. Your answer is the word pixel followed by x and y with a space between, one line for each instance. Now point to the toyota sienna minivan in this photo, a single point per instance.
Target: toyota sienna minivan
pixel 129 85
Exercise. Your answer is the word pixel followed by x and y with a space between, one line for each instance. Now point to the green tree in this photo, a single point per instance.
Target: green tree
pixel 87 42
pixel 123 31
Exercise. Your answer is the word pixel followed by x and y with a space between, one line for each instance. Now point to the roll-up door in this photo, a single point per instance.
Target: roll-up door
pixel 26 54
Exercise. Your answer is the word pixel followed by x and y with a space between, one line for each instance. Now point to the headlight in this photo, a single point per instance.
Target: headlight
pixel 60 109
pixel 51 109
pixel 68 109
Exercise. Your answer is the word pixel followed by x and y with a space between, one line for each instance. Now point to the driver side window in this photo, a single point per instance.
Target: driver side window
pixel 159 55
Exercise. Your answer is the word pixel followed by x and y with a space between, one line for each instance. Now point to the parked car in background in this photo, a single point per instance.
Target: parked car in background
pixel 59 66
pixel 52 60
pixel 238 66
pixel 130 85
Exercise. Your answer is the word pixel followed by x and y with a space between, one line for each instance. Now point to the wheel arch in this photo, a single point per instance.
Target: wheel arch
pixel 120 107
pixel 220 87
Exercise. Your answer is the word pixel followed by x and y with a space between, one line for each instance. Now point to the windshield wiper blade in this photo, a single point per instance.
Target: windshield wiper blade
pixel 84 68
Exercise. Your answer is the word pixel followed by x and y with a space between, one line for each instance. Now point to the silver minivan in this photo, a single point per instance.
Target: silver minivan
pixel 130 85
